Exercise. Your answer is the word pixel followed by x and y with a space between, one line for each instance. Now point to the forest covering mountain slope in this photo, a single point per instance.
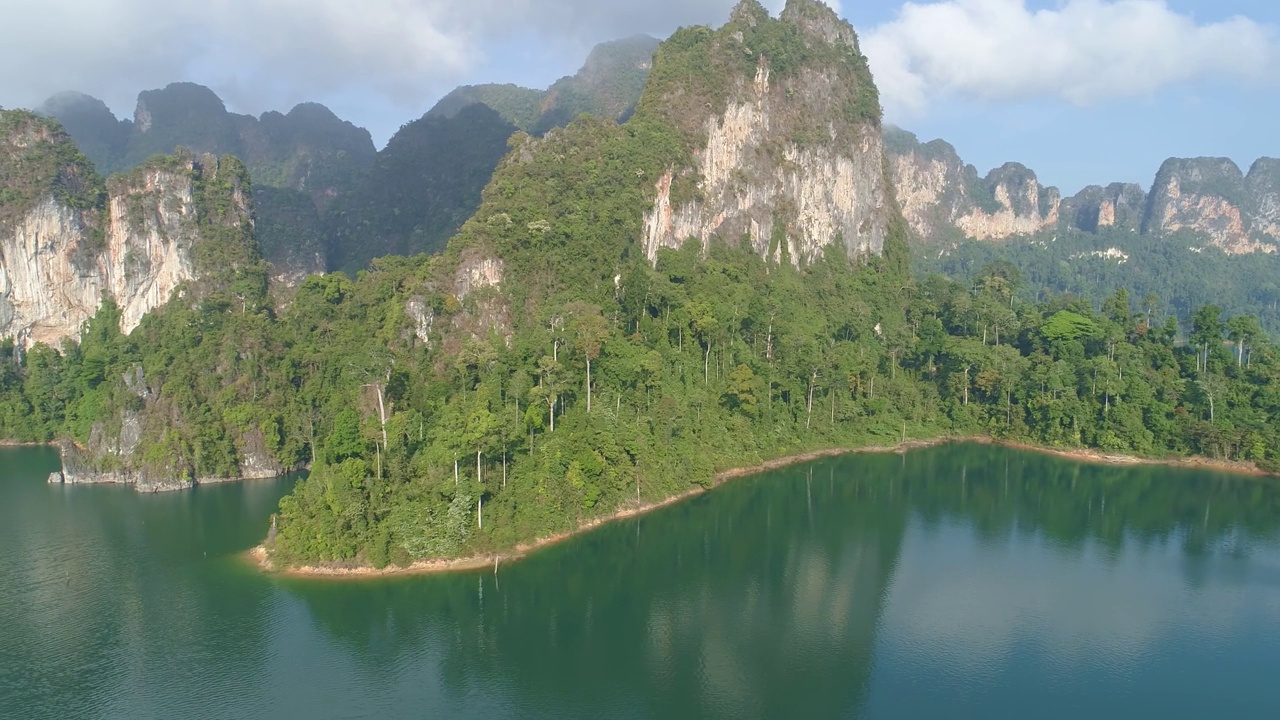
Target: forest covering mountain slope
pixel 570 354
pixel 406 199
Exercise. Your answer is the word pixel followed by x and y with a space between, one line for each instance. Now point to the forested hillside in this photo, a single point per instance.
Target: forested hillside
pixel 543 371
pixel 1094 265
pixel 552 366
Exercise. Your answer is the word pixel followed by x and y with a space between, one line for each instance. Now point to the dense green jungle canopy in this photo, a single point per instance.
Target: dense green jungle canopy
pixel 442 416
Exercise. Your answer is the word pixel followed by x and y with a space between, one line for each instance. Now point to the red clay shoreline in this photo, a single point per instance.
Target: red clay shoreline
pixel 262 559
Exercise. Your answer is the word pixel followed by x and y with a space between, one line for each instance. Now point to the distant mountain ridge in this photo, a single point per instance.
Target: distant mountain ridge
pixel 416 193
pixel 1209 202
pixel 608 85
pixel 305 157
pixel 325 197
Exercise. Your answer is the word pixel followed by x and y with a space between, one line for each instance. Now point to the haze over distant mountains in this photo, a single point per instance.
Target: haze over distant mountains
pixel 326 199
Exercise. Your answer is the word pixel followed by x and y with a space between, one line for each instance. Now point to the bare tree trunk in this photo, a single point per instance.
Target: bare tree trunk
pixel 809 404
pixel 589 386
pixel 706 366
pixel 480 512
pixel 311 432
pixel 382 415
pixel 455 471
pixel 478 480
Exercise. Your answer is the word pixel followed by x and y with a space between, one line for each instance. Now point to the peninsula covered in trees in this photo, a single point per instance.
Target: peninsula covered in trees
pixel 551 366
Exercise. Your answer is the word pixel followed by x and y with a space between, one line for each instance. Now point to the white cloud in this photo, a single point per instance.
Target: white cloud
pixel 290 50
pixel 1083 52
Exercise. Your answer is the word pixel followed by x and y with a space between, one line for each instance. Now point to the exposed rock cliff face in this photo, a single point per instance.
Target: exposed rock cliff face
pixel 931 182
pixel 792 161
pixel 1207 200
pixel 1262 187
pixel 944 199
pixel 111 456
pixel 308 153
pixel 1095 208
pixel 62 255
pixel 1208 197
pixel 1016 205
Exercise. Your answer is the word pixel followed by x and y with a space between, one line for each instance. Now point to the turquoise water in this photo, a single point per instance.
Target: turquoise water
pixel 964 581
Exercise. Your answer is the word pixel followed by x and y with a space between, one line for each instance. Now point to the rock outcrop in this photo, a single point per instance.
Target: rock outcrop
pixel 1206 201
pixel 944 199
pixel 788 157
pixel 1208 197
pixel 1262 187
pixel 608 85
pixel 1012 203
pixel 1095 208
pixel 69 241
pixel 308 152
pixel 931 182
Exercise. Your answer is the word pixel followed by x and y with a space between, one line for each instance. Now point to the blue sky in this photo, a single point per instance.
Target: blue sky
pixel 1082 91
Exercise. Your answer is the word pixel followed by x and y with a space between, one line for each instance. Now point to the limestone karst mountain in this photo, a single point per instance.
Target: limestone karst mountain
pixel 70 241
pixel 1207 201
pixel 307 153
pixel 608 85
pixel 787 154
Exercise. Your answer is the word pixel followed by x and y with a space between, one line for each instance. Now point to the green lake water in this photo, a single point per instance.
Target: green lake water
pixel 961 582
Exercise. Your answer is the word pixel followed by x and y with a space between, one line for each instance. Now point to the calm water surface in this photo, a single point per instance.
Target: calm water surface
pixel 963 581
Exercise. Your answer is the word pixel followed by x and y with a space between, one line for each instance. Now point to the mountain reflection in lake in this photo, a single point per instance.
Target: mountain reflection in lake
pixel 970 580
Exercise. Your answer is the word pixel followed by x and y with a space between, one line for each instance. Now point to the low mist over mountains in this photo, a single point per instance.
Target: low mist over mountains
pixel 325 197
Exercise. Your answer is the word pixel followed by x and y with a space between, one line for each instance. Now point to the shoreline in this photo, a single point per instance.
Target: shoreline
pixel 259 557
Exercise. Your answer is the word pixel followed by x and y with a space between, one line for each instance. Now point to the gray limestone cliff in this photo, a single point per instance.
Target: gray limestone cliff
pixel 1207 202
pixel 113 454
pixel 70 241
pixel 1095 208
pixel 785 129
pixel 303 159
pixel 1210 198
pixel 944 199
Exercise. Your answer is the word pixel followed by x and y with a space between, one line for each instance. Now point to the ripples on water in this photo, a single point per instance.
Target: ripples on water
pixel 966 581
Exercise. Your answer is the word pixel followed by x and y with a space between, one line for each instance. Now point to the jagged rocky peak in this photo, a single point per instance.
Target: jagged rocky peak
pixel 607 85
pixel 611 60
pixel 816 20
pixel 174 104
pixel 943 199
pixel 1208 197
pixel 783 121
pixel 1095 208
pixel 307 157
pixel 930 181
pixel 1011 201
pixel 69 241
pixel 1263 187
